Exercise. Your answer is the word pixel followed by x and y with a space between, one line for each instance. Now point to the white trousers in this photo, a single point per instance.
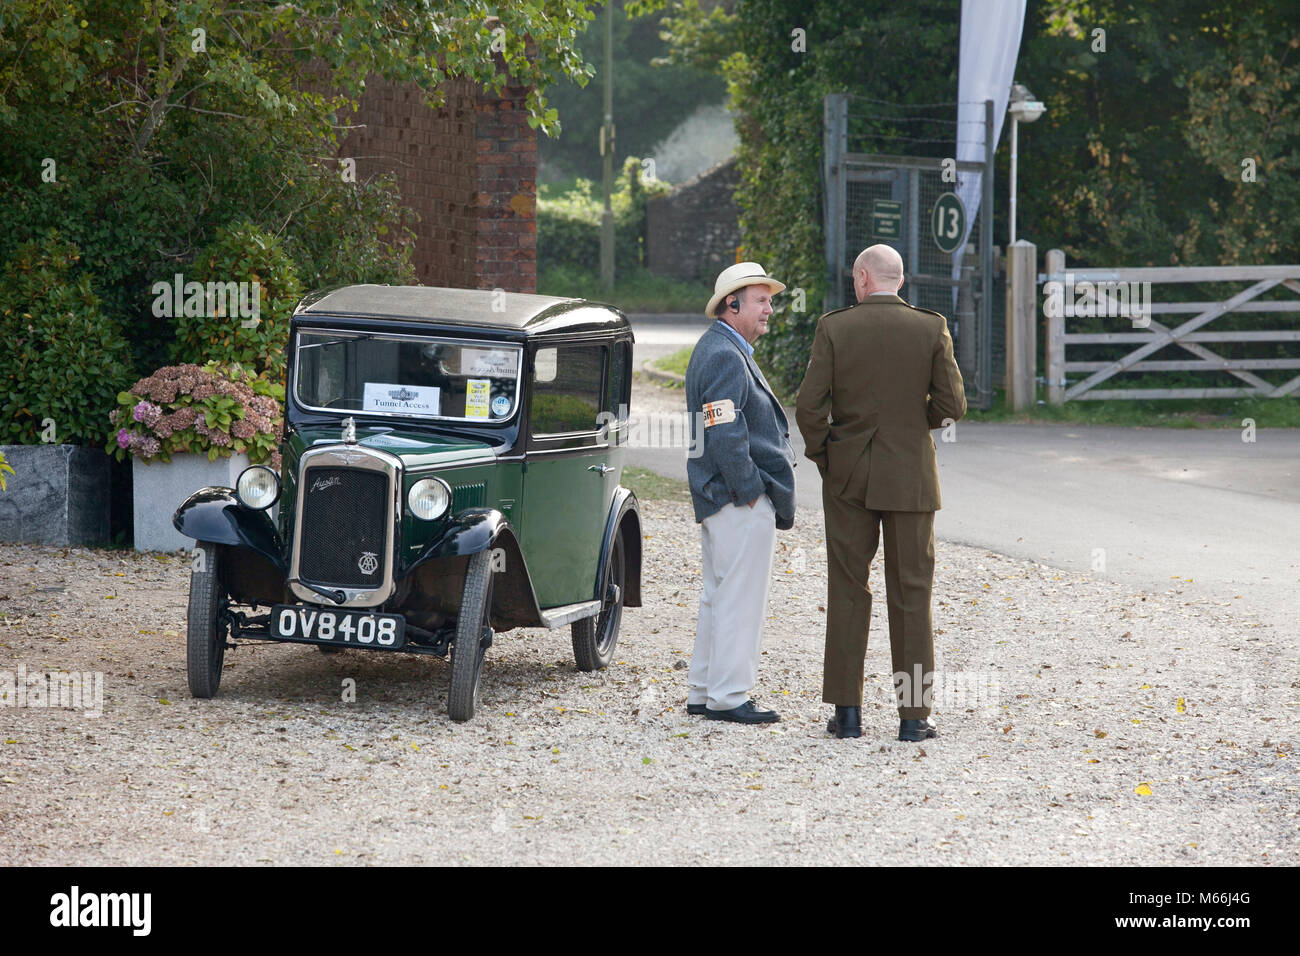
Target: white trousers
pixel 737 544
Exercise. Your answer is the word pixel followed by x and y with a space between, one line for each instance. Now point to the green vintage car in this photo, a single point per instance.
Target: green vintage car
pixel 451 469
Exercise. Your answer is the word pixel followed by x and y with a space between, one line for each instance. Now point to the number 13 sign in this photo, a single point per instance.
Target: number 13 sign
pixel 948 222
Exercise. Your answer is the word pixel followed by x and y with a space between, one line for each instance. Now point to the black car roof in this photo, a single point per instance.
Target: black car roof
pixel 483 308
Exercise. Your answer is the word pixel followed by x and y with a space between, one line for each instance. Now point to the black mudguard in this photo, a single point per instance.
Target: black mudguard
pixel 514 601
pixel 215 515
pixel 625 519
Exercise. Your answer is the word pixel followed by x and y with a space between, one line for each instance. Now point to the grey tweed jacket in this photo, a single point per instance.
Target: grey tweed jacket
pixel 746 439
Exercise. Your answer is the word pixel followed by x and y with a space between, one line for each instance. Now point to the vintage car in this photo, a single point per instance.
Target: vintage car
pixel 451 469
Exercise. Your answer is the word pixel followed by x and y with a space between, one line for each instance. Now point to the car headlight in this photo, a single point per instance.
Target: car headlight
pixel 429 498
pixel 258 487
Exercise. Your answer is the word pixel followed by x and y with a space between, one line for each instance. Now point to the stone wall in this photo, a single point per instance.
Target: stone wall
pixel 694 231
pixel 468 169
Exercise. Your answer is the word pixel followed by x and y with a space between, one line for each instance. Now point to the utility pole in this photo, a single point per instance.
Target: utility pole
pixel 607 153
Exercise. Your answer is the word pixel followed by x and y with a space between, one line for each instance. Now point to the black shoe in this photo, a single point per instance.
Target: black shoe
pixel 746 713
pixel 917 729
pixel 696 710
pixel 847 722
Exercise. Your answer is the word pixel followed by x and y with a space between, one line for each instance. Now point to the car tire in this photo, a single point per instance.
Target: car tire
pixel 473 637
pixel 594 638
pixel 205 632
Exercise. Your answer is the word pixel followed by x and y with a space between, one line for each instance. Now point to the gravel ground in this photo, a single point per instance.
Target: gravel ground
pixel 1102 694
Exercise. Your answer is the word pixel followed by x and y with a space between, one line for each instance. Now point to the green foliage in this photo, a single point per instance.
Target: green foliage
pixel 868 49
pixel 63 358
pixel 140 129
pixel 1138 160
pixel 241 253
pixel 568 227
pixel 5 469
pixel 635 290
pixel 216 409
pixel 677 361
pixel 353 233
pixel 651 97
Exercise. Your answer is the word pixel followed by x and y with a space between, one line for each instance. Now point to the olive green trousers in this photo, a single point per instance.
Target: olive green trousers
pixel 852 539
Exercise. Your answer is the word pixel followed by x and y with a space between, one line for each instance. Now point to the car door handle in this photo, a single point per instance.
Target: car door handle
pixel 603 468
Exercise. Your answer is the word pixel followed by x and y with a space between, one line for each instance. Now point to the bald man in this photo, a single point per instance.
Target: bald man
pixel 881 375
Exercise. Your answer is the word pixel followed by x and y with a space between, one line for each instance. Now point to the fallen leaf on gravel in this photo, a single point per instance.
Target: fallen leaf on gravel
pixel 164 700
pixel 1093 760
pixel 647 760
pixel 14 741
pixel 1181 705
pixel 1099 733
pixel 7 780
pixel 1143 789
pixel 415 746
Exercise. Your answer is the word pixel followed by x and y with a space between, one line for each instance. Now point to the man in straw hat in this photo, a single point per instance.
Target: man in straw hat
pixel 884 373
pixel 742 487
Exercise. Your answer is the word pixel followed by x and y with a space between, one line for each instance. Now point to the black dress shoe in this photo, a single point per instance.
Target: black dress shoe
pixel 696 710
pixel 746 713
pixel 917 729
pixel 847 722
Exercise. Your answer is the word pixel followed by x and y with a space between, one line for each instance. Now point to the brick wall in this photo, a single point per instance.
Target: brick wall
pixel 468 169
pixel 693 232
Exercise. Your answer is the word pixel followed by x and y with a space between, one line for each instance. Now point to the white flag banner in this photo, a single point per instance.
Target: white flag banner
pixel 989 44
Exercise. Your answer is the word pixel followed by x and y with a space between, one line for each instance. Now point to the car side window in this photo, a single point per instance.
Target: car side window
pixel 567 388
pixel 616 397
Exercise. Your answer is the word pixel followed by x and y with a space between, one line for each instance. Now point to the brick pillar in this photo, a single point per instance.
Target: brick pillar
pixel 506 201
pixel 469 170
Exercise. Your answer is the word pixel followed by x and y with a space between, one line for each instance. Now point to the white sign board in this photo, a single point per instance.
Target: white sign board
pixel 409 399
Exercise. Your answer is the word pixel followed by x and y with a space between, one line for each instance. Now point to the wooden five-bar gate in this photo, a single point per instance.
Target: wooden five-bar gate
pixel 1103 288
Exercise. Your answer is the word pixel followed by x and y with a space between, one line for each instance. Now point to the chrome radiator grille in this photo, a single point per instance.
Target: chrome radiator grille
pixel 343 537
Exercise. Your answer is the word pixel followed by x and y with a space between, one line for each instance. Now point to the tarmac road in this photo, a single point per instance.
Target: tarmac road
pixel 1142 505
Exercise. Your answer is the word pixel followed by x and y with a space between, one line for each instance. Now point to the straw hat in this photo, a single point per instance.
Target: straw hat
pixel 735 277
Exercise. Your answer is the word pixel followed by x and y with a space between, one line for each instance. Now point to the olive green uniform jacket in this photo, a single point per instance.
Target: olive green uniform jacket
pixel 884 373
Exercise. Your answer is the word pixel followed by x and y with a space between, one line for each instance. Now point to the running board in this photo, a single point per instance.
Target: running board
pixel 568 613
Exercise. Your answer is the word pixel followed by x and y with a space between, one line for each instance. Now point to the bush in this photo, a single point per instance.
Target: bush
pixel 353 233
pixel 241 253
pixel 217 410
pixel 64 360
pixel 568 228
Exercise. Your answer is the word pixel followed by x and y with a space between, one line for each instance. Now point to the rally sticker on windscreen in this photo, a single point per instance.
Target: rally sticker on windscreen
pixel 501 363
pixel 413 399
pixel 477 393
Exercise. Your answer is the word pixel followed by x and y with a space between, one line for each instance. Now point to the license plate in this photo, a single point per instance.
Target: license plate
pixel 341 626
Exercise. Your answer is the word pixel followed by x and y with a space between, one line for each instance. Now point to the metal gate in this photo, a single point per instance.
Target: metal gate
pixel 875 195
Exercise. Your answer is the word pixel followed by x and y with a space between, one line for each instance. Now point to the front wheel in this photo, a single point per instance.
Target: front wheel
pixel 473 636
pixel 205 634
pixel 594 638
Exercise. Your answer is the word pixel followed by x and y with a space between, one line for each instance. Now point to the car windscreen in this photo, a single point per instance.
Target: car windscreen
pixel 449 379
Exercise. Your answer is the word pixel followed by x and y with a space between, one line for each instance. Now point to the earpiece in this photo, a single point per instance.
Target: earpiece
pixel 733 305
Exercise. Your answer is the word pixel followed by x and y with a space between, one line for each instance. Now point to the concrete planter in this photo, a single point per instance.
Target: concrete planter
pixel 58 494
pixel 160 487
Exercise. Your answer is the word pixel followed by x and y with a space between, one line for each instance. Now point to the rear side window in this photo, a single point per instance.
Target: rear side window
pixel 567 388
